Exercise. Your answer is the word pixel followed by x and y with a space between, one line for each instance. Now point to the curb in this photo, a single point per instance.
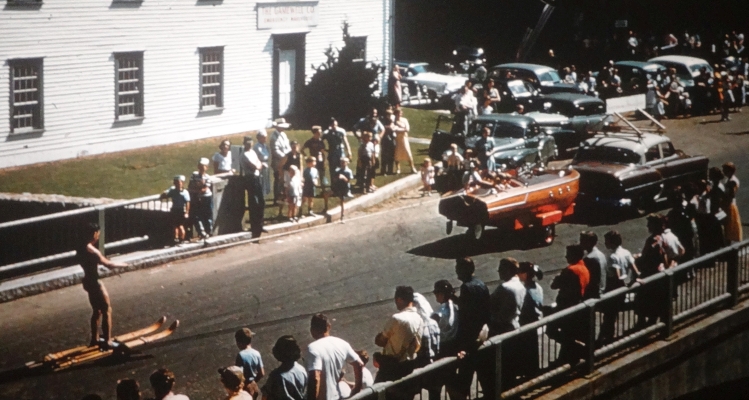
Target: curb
pixel 69 276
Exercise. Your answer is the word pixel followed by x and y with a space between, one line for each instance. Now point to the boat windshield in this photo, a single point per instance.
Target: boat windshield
pixel 607 155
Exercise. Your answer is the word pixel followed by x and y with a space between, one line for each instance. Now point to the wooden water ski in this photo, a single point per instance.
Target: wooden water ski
pixel 121 349
pixel 121 339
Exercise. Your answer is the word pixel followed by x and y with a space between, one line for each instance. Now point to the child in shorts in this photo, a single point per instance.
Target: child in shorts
pixel 180 207
pixel 294 193
pixel 311 181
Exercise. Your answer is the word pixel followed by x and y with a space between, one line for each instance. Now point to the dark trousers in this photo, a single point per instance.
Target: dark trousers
pixel 392 370
pixel 255 204
pixel 610 311
pixel 334 161
pixel 204 214
pixel 483 365
pixel 387 159
pixel 278 182
pixel 367 174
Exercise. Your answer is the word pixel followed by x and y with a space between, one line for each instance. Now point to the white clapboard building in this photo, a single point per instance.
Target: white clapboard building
pixel 84 77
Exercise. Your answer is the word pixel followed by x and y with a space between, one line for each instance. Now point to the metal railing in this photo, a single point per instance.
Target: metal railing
pixel 578 339
pixel 38 243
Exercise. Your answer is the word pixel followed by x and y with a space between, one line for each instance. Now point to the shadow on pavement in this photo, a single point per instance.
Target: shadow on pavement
pixel 17 374
pixel 461 245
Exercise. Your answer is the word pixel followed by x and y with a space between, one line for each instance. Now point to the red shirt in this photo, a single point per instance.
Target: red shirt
pixel 582 274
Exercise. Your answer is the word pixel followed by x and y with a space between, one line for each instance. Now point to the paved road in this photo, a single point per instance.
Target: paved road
pixel 347 270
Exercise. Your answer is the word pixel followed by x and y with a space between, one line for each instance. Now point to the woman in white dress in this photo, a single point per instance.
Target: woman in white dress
pixel 222 159
pixel 402 147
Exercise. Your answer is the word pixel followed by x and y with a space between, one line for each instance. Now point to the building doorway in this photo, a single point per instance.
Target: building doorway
pixel 288 72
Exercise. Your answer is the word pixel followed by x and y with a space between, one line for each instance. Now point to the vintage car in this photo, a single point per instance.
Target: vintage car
pixel 537 200
pixel 546 79
pixel 421 81
pixel 687 68
pixel 515 92
pixel 467 58
pixel 570 118
pixel 634 75
pixel 633 170
pixel 518 140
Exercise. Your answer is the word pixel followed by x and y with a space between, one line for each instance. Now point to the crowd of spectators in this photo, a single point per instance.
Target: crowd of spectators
pixel 703 219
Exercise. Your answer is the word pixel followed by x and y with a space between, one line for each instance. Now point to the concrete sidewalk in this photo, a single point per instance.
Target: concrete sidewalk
pixel 68 276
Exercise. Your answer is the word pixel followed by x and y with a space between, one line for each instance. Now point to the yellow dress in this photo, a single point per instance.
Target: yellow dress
pixel 402 147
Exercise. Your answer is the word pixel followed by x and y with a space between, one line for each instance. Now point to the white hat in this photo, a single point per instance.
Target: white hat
pixel 281 123
pixel 262 133
pixel 203 161
pixel 179 178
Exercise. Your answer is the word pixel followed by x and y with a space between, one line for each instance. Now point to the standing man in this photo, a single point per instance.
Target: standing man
pixel 252 169
pixel 620 265
pixel 280 147
pixel 263 153
pixel 400 339
pixel 596 263
pixel 89 258
pixel 473 303
pixel 506 304
pixel 571 283
pixel 327 356
pixel 484 149
pixel 651 300
pixel 387 144
pixel 337 145
pixel 202 195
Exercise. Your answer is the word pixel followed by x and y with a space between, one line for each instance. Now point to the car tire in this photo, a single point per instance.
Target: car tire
pixel 475 232
pixel 644 205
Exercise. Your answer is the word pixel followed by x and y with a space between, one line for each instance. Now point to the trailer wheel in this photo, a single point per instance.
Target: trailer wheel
pixel 449 227
pixel 547 234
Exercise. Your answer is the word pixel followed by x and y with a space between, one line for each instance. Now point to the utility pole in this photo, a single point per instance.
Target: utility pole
pixel 529 40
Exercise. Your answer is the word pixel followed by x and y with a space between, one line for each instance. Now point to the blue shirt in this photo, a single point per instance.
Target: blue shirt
pixel 179 198
pixel 286 382
pixel 251 363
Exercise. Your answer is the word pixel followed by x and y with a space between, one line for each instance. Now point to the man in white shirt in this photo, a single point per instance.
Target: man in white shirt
pixel 400 339
pixel 507 299
pixel 327 356
pixel 280 147
pixel 252 173
pixel 506 303
pixel 596 263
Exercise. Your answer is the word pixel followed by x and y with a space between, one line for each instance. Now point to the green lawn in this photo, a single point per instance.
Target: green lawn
pixel 423 122
pixel 143 172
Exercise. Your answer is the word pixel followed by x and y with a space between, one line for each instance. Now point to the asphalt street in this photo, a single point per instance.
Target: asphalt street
pixel 348 271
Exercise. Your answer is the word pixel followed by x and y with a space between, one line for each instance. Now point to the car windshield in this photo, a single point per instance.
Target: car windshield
pixel 518 88
pixel 550 76
pixel 418 69
pixel 696 68
pixel 498 130
pixel 607 155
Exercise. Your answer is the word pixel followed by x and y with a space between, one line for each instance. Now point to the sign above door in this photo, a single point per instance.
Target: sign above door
pixel 287 15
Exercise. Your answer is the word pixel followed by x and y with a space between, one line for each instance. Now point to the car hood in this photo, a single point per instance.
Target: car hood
pixel 450 80
pixel 616 170
pixel 500 144
pixel 546 118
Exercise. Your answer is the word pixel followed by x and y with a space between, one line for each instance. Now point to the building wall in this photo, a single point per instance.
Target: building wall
pixel 77 40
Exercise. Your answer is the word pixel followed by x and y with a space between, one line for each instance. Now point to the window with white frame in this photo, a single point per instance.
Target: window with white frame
pixel 26 105
pixel 211 78
pixel 128 85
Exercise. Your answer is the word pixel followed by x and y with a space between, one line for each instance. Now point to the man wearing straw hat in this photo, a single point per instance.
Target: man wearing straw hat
pixel 252 173
pixel 280 147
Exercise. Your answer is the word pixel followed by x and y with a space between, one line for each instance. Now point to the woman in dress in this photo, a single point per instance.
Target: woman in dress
pixel 261 148
pixel 402 147
pixel 222 158
pixel 733 231
pixel 394 89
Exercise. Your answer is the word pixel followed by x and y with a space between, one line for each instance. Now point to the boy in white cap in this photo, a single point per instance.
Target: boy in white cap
pixel 180 207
